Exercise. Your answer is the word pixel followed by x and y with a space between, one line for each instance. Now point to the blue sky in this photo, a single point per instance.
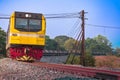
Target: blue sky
pixel 100 12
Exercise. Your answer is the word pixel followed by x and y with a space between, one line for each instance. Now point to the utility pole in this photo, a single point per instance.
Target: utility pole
pixel 82 57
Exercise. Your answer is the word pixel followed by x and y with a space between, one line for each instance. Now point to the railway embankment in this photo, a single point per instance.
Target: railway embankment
pixel 15 70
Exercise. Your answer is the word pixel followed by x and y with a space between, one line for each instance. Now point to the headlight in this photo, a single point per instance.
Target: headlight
pixel 27 15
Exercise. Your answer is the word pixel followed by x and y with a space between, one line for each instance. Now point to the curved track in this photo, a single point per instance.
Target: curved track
pixel 81 71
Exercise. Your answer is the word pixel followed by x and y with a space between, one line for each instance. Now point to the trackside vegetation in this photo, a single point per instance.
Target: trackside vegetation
pixel 2 43
pixel 99 44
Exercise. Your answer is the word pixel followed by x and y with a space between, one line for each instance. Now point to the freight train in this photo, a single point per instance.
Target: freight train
pixel 26 36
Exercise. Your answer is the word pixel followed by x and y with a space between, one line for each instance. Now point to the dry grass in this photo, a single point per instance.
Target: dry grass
pixel 107 61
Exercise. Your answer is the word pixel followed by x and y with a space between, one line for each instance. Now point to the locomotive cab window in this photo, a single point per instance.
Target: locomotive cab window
pixel 34 25
pixel 30 25
pixel 21 24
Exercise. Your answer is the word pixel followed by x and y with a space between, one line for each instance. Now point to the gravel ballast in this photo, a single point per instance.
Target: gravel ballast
pixel 15 70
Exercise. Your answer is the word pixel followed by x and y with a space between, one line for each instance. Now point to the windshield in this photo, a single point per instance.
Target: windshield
pixel 34 25
pixel 28 24
pixel 21 24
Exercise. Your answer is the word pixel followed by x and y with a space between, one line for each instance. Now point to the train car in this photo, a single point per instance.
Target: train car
pixel 26 36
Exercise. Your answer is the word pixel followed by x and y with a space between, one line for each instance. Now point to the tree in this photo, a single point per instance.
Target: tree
pixel 103 43
pixel 61 40
pixel 89 59
pixel 51 44
pixel 117 50
pixel 90 44
pixel 98 44
pixel 69 44
pixel 2 41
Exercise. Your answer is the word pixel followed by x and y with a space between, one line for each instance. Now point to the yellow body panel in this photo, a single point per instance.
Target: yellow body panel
pixel 27 38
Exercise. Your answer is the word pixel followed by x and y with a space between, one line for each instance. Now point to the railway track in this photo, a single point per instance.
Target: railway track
pixel 81 71
pixel 11 69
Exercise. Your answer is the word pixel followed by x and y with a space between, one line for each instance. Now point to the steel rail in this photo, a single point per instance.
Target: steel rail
pixel 80 70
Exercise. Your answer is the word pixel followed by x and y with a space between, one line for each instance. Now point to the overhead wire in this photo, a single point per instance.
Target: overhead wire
pixel 103 26
pixel 63 14
pixel 73 30
pixel 50 16
pixel 77 31
pixel 4 17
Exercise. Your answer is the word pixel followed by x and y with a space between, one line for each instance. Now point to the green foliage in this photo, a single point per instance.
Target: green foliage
pixel 104 43
pixel 51 44
pixel 69 59
pixel 89 59
pixel 2 41
pixel 61 40
pixel 72 59
pixel 98 44
pixel 55 44
pixel 117 52
pixel 75 59
pixel 69 44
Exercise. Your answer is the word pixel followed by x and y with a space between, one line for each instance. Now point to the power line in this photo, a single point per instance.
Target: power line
pixel 51 16
pixel 4 17
pixel 103 26
pixel 63 15
pixel 76 13
pixel 74 28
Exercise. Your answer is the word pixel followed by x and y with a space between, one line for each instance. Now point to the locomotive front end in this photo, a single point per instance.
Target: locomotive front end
pixel 26 36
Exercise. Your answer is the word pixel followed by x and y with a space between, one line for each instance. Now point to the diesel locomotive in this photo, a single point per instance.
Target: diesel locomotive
pixel 26 36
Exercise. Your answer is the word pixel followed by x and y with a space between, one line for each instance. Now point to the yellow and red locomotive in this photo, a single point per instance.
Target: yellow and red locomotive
pixel 26 36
